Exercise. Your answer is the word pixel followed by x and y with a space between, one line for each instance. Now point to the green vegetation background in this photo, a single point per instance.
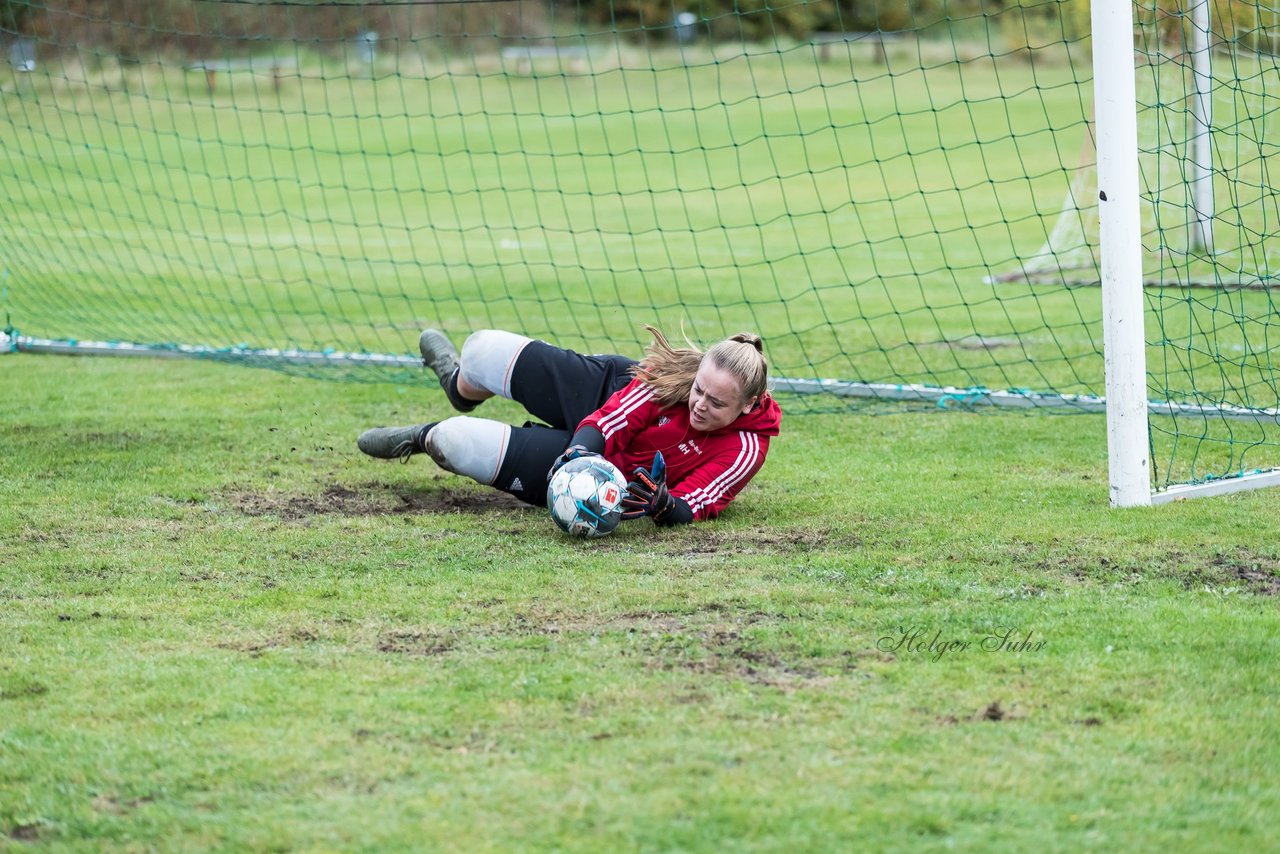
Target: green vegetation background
pixel 135 27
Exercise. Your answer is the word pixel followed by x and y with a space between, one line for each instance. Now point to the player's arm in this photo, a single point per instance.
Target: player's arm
pixel 624 414
pixel 709 488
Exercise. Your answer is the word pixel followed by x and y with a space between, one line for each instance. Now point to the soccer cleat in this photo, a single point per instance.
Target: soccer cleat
pixel 439 354
pixel 393 443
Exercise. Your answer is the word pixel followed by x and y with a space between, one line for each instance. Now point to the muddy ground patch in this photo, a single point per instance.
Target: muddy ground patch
pixel 368 499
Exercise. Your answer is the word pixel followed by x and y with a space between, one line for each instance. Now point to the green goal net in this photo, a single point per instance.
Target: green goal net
pixel 897 197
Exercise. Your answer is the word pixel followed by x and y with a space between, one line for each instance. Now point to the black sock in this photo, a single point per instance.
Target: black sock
pixel 450 386
pixel 421 441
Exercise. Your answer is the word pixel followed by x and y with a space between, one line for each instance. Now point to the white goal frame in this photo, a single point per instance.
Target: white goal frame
pixel 1120 239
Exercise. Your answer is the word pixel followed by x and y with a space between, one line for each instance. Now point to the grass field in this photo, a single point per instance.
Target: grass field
pixel 222 627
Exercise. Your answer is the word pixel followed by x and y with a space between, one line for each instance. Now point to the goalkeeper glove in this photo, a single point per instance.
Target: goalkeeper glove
pixel 647 493
pixel 587 442
pixel 573 452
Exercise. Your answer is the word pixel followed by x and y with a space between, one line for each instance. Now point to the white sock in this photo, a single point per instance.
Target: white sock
pixel 472 447
pixel 488 357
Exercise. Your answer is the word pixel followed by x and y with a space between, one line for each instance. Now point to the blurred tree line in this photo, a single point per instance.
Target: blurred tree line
pixel 202 27
pixel 131 28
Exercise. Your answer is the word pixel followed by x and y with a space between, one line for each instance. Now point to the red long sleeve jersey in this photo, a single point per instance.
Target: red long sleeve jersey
pixel 705 469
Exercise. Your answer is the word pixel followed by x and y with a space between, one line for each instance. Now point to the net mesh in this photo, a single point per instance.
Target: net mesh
pixel 877 190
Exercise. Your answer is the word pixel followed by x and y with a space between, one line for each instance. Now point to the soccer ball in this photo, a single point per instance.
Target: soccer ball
pixel 585 497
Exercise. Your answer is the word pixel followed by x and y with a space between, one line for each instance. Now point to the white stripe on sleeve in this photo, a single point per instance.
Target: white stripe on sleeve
pixel 715 490
pixel 616 420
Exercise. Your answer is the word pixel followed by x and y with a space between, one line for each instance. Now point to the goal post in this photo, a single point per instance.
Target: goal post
pixel 1202 128
pixel 1124 336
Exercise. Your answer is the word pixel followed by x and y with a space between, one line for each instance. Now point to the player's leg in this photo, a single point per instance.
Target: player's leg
pixel 512 459
pixel 531 450
pixel 439 354
pixel 471 447
pixel 556 385
pixel 561 387
pixel 480 372
pixel 394 443
pixel 487 360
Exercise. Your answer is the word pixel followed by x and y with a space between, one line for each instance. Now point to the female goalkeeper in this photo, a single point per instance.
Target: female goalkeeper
pixel 710 414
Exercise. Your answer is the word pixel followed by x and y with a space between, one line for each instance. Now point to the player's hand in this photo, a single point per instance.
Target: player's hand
pixel 573 452
pixel 647 493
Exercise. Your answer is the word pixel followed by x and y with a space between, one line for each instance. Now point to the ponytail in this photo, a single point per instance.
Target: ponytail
pixel 669 371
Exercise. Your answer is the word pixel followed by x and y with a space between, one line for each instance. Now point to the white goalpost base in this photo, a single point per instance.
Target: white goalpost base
pixel 1223 486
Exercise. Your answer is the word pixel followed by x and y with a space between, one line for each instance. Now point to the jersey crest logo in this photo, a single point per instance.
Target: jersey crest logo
pixel 663 420
pixel 516 485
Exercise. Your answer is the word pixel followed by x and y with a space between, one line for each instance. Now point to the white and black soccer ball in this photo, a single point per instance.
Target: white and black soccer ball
pixel 585 497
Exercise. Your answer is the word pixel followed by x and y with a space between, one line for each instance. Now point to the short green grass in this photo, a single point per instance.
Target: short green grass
pixel 222 627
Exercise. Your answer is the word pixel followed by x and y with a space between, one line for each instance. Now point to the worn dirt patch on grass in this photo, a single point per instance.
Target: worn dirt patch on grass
pixel 404 641
pixel 1258 574
pixel 993 712
pixel 25 832
pixel 707 540
pixel 18 685
pixel 728 652
pixel 714 639
pixel 115 805
pixel 415 642
pixel 554 622
pixel 370 499
pixel 256 646
pixel 1240 568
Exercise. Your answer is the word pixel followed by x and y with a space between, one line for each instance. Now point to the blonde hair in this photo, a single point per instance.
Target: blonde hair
pixel 669 371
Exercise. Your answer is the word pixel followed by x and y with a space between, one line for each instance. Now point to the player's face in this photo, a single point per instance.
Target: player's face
pixel 715 400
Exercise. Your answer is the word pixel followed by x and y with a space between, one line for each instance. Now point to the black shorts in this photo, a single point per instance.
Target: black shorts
pixel 560 388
